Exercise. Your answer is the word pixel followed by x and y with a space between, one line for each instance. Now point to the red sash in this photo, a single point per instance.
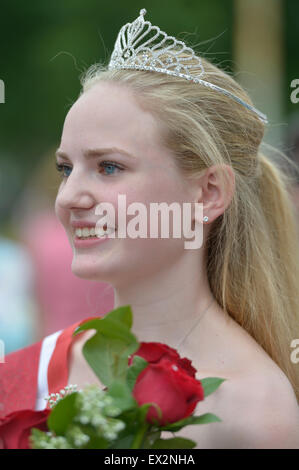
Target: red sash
pixel 58 366
pixel 19 373
pixel 18 388
pixel 18 379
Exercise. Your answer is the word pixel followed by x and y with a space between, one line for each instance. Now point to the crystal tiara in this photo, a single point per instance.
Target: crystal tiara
pixel 130 53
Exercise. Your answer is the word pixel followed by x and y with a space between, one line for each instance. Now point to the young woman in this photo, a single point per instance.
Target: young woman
pixel 231 305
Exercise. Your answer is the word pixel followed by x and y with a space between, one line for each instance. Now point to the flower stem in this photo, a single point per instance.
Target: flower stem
pixel 139 436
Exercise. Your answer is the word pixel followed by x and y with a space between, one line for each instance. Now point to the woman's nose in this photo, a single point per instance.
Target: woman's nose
pixel 72 194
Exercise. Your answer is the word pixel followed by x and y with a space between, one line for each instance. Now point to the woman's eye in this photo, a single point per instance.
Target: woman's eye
pixel 109 167
pixel 62 168
pixel 106 168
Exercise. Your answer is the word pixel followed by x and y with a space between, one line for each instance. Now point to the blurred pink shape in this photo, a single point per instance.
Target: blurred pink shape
pixel 62 297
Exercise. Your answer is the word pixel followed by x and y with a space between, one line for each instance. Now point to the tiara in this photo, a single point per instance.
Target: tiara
pixel 130 53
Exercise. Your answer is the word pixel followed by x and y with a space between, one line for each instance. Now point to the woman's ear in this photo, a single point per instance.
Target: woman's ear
pixel 215 191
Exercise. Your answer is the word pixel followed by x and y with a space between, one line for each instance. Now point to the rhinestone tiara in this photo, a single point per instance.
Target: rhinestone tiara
pixel 130 53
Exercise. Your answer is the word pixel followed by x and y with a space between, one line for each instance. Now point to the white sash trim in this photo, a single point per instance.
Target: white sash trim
pixel 47 349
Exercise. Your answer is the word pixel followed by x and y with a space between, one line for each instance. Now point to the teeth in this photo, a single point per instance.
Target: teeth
pixel 86 232
pixel 100 232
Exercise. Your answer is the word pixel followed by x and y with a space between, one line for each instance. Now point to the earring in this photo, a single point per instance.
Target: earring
pixel 206 218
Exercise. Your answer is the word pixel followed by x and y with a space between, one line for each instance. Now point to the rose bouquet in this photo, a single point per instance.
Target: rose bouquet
pixel 149 389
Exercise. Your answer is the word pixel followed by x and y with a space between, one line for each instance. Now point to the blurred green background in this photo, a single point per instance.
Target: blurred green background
pixel 45 46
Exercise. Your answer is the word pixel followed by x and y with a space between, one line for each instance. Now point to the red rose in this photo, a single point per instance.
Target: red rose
pixel 169 381
pixel 154 352
pixel 15 428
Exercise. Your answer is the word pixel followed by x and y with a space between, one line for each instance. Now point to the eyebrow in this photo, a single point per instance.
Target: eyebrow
pixel 96 152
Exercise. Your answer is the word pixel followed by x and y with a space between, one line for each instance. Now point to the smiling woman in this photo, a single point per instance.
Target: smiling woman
pixel 233 304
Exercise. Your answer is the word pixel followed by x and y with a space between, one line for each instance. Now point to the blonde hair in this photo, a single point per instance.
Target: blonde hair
pixel 252 252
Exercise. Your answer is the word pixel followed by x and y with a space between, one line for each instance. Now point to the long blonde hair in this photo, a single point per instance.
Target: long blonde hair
pixel 253 247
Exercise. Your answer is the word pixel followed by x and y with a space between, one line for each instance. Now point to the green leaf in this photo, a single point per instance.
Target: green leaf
pixel 203 419
pixel 126 436
pixel 62 414
pixel 97 442
pixel 108 357
pixel 122 397
pixel 124 442
pixel 173 443
pixel 116 323
pixel 108 350
pixel 151 436
pixel 123 314
pixel 210 384
pixel 137 366
pixel 111 328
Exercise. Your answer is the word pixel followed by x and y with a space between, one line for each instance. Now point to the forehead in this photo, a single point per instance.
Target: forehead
pixel 109 115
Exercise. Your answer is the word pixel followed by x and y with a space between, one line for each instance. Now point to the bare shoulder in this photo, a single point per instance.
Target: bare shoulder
pixel 257 411
pixel 256 403
pixel 267 402
pixel 270 419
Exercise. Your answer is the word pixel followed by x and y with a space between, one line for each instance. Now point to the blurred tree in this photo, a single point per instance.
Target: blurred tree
pixel 291 41
pixel 263 79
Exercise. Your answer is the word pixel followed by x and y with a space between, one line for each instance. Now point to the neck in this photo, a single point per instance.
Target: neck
pixel 166 305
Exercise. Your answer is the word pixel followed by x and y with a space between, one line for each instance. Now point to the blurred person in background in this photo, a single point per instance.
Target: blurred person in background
pixel 18 310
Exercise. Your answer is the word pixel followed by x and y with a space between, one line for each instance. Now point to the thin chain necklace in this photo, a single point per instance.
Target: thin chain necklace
pixel 195 325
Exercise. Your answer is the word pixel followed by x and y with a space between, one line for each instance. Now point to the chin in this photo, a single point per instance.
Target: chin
pixel 84 273
pixel 94 270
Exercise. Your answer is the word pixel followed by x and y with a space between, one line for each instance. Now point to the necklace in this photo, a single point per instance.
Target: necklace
pixel 195 325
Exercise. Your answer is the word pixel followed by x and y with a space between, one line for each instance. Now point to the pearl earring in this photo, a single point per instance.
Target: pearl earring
pixel 206 218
